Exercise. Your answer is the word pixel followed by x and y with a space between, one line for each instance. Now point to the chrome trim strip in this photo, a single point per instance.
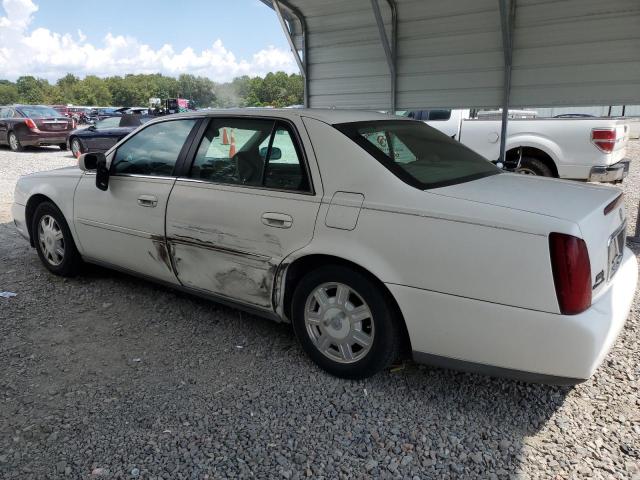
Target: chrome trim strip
pixel 115 228
pixel 230 187
pixel 137 175
pixel 193 242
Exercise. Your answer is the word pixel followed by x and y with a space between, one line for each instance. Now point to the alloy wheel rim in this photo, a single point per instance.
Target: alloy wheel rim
pixel 51 240
pixel 525 171
pixel 13 141
pixel 75 147
pixel 339 322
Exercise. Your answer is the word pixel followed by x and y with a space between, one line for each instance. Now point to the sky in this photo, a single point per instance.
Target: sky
pixel 220 39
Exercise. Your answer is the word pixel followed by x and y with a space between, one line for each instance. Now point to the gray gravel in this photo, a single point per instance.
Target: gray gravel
pixel 107 376
pixel 12 165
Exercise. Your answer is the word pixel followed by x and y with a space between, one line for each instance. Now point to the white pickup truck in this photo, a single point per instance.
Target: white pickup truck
pixel 591 148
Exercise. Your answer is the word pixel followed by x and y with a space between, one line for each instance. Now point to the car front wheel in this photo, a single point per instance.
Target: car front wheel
pixel 76 147
pixel 53 241
pixel 345 322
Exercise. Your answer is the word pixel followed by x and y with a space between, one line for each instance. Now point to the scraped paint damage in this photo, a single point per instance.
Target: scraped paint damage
pixel 160 253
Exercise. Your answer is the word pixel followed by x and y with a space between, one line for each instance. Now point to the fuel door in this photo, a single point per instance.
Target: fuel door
pixel 344 210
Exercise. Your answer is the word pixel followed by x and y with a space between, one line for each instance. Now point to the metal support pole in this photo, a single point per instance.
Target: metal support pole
pixel 302 62
pixel 507 20
pixel 389 47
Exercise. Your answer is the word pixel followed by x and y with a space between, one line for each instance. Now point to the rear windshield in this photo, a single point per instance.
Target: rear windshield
pixel 39 112
pixel 419 155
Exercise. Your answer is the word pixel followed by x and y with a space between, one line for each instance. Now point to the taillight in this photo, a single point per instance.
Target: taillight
pixel 30 124
pixel 73 124
pixel 617 201
pixel 571 272
pixel 604 138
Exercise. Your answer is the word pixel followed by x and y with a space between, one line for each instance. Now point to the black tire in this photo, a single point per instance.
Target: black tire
pixel 386 339
pixel 76 146
pixel 14 142
pixel 534 166
pixel 62 146
pixel 71 260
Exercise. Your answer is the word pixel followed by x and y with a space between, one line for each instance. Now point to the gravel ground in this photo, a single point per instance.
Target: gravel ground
pixel 107 376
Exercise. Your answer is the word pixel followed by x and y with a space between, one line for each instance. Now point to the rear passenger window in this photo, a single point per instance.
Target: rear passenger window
pixel 153 151
pixel 229 151
pixel 251 152
pixel 285 169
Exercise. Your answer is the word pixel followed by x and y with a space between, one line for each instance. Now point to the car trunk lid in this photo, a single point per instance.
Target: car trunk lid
pixel 53 124
pixel 582 204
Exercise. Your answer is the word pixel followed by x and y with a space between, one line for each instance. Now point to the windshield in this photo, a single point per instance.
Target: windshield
pixel 110 122
pixel 419 155
pixel 39 112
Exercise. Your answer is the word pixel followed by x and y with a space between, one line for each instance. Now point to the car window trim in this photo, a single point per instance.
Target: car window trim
pixel 267 157
pixel 297 141
pixel 183 151
pixel 184 166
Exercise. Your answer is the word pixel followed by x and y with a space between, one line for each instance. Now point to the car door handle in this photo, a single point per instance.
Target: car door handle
pixel 278 220
pixel 147 201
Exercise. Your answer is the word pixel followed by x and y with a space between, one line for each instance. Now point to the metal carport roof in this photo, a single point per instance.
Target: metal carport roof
pixel 434 53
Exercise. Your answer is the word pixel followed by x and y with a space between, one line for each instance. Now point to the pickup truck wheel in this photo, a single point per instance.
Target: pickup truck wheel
pixel 14 143
pixel 344 322
pixel 53 241
pixel 533 166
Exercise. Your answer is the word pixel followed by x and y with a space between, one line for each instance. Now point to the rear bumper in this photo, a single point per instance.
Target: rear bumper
pixel 612 173
pixel 500 340
pixel 43 138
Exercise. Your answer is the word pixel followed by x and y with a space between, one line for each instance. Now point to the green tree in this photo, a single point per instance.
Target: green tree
pixel 91 91
pixel 8 93
pixel 32 90
pixel 276 89
pixel 66 87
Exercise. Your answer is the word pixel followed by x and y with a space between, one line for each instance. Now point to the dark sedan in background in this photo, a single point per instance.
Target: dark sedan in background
pixel 33 125
pixel 104 134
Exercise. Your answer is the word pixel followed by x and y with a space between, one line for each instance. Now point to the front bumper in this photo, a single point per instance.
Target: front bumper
pixel 612 173
pixel 19 219
pixel 501 340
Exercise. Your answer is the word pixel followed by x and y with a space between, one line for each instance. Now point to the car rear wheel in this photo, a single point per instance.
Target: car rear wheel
pixel 76 147
pixel 53 241
pixel 534 166
pixel 345 322
pixel 14 143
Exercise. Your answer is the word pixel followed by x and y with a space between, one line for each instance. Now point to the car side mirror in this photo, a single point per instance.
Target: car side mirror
pixel 88 161
pixel 276 153
pixel 102 172
pixel 92 128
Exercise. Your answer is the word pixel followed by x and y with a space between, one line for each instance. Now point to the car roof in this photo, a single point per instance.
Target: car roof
pixel 327 115
pixel 27 105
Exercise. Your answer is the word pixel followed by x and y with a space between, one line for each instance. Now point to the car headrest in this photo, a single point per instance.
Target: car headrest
pixel 130 121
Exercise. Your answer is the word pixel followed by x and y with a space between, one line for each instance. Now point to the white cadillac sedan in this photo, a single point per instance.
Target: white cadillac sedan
pixel 371 234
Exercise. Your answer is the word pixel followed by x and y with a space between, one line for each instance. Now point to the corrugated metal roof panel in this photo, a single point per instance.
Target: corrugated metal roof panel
pixel 566 52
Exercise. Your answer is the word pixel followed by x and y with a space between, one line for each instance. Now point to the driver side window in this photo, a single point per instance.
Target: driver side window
pixel 153 151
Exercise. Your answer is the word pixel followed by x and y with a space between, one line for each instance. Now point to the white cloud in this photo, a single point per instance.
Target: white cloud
pixel 45 53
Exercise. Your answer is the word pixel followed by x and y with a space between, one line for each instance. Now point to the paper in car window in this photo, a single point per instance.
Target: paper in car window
pixel 379 139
